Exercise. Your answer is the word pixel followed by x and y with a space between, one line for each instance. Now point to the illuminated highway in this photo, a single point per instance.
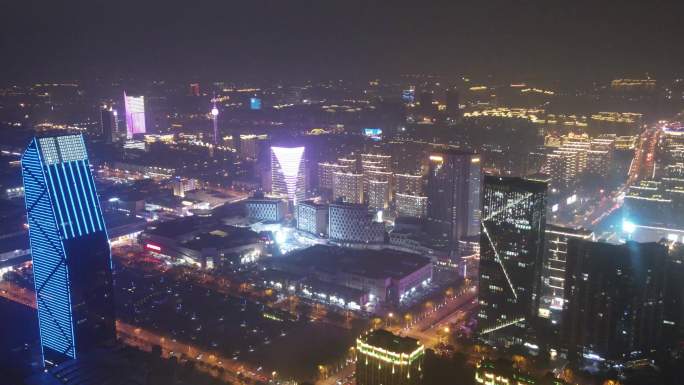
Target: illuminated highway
pixel 641 167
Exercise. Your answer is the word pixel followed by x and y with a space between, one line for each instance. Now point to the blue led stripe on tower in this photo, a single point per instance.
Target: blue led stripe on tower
pixel 71 199
pixel 78 196
pixel 82 191
pixel 59 210
pixel 91 188
pixel 57 203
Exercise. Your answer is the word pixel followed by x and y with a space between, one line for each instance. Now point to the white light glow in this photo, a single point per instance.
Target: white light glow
pixel 290 159
pixel 628 227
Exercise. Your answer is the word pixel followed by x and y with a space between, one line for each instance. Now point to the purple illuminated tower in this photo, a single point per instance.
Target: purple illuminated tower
pixel 288 174
pixel 135 115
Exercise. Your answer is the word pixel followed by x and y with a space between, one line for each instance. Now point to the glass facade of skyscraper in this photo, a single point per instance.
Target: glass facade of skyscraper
pixel 511 255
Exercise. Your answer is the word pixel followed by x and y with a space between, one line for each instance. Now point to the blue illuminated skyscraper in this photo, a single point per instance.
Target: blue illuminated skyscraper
pixel 71 257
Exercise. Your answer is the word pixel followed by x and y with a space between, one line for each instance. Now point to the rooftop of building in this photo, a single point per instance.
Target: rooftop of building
pixel 262 199
pixel 383 339
pixel 349 205
pixel 311 202
pixel 223 237
pixel 333 290
pixel 534 186
pixel 115 219
pixel 377 264
pixel 579 232
pixel 539 177
pixel 180 226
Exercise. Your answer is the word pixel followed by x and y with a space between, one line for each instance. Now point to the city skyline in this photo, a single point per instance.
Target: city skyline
pixel 342 193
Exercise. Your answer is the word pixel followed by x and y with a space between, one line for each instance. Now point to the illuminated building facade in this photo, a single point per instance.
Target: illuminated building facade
pixel 325 174
pixel 182 185
pixel 453 191
pixel 348 187
pixel 383 358
pixel 408 184
pixel 383 161
pixel 378 194
pixel 349 162
pixel 574 155
pixel 413 206
pixel 618 123
pixel 553 278
pixel 288 173
pixel 614 298
pixel 135 115
pixel 511 256
pixel 312 218
pixel 71 257
pixel 351 223
pixel 489 372
pixel 266 209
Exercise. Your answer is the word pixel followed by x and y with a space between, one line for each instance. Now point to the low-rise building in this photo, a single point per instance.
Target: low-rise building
pixel 262 209
pixel 352 223
pixel 312 218
pixel 385 275
pixel 383 358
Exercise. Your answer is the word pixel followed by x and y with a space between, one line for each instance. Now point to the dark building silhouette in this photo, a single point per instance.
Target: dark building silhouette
pixel 109 124
pixel 453 192
pixel 453 100
pixel 614 298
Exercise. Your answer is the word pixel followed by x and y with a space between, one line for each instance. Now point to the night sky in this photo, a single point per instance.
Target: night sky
pixel 280 39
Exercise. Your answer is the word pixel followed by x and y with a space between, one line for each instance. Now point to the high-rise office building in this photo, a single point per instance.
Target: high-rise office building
pixel 383 358
pixel 70 250
pixel 453 192
pixel 249 145
pixel 348 187
pixel 511 255
pixel 288 173
pixel 109 124
pixel 135 115
pixel 673 317
pixel 553 275
pixel 425 103
pixel 614 298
